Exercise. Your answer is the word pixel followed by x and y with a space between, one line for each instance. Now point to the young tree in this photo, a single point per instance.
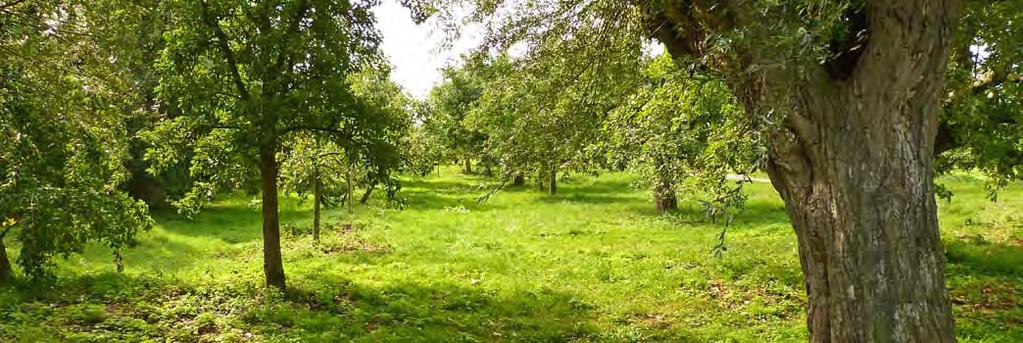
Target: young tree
pixel 847 95
pixel 247 75
pixel 327 170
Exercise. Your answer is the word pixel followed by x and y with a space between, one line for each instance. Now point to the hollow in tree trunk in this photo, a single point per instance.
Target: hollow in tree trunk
pixel 273 266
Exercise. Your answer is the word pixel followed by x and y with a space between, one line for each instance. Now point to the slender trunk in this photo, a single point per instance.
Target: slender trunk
pixel 520 180
pixel 348 180
pixel 369 192
pixel 487 170
pixel 118 260
pixel 317 200
pixel 316 197
pixel 468 166
pixel 552 183
pixel 273 266
pixel 5 263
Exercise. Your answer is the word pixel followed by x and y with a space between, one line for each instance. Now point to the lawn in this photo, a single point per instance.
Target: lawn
pixel 594 263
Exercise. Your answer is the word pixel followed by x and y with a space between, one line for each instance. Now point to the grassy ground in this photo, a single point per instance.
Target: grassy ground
pixel 594 263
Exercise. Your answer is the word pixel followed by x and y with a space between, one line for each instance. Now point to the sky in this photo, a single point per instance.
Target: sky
pixel 417 52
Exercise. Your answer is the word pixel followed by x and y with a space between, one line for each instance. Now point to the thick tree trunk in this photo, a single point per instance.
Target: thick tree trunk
pixel 852 160
pixel 519 180
pixel 857 180
pixel 273 266
pixel 664 197
pixel 5 263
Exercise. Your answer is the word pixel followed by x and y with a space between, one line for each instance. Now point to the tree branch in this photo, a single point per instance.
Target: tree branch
pixel 222 42
pixel 11 4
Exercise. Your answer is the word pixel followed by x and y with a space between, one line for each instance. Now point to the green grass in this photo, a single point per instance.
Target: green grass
pixel 594 263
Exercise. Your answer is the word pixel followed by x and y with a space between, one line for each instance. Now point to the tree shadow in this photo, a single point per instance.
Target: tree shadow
pixel 314 308
pixel 976 256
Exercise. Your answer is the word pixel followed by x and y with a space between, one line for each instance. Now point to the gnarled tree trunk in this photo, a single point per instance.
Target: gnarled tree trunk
pixel 854 165
pixel 853 162
pixel 273 266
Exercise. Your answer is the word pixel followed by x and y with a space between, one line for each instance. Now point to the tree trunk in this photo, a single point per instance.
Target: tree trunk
pixel 317 200
pixel 664 197
pixel 468 166
pixel 520 180
pixel 369 192
pixel 857 180
pixel 852 160
pixel 273 266
pixel 552 183
pixel 5 263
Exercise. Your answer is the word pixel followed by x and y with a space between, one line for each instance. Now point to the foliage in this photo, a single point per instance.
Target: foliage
pixel 62 116
pixel 682 131
pixel 983 111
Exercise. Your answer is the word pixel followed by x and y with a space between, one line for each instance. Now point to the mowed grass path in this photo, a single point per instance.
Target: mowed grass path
pixel 594 263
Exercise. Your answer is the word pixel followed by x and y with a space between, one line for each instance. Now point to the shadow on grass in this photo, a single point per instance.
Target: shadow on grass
pixel 314 308
pixel 232 223
pixel 979 257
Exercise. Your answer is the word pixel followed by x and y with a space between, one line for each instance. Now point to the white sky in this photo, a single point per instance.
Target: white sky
pixel 417 52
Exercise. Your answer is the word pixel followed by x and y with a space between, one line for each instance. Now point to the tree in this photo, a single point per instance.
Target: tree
pixel 671 130
pixel 327 170
pixel 982 108
pixel 451 101
pixel 847 95
pixel 62 117
pixel 246 76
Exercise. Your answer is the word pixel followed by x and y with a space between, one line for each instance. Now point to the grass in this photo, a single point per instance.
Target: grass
pixel 594 263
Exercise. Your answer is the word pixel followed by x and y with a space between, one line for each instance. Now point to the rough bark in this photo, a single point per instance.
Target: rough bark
pixel 856 178
pixel 853 162
pixel 273 266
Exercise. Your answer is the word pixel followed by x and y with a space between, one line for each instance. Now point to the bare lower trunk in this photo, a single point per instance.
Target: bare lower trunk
pixel 468 166
pixel 369 192
pixel 552 182
pixel 273 266
pixel 317 200
pixel 519 180
pixel 664 197
pixel 5 263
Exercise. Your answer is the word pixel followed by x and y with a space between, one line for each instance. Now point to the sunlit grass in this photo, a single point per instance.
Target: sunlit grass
pixel 594 263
